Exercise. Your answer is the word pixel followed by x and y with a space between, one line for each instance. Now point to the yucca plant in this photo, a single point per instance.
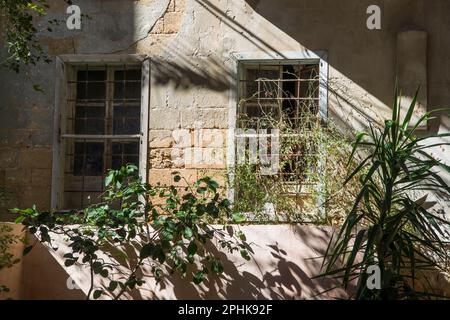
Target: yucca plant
pixel 391 228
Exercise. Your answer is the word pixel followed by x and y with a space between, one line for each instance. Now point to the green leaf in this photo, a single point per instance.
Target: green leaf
pixel 27 250
pixel 241 235
pixel 216 266
pixel 45 237
pixel 38 88
pixel 112 285
pixel 69 262
pixel 238 217
pixel 97 267
pixel 244 254
pixel 199 276
pixel 410 111
pixel 97 294
pixel 201 190
pixel 192 248
pixel 187 233
pixel 109 178
pixel 104 273
pixel 19 219
pixel 147 251
pixel 158 273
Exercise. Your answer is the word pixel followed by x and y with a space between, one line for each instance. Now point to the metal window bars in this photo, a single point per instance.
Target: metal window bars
pixel 283 96
pixel 102 128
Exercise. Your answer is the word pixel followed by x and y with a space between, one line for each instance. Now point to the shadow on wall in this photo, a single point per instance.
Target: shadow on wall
pixel 367 57
pixel 44 279
pixel 185 73
pixel 284 259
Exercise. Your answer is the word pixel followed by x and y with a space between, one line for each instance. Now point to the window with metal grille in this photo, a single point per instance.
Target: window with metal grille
pixel 103 126
pixel 282 96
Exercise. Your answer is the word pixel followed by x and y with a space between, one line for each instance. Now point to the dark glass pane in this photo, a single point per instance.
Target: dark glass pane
pixel 116 162
pixel 131 160
pixel 125 153
pixel 91 85
pixel 127 91
pixel 267 87
pixel 89 120
pixel 117 148
pixel 88 158
pixel 126 126
pixel 127 85
pixel 131 148
pixel 129 111
pixel 133 74
pixel 90 111
pixel 126 119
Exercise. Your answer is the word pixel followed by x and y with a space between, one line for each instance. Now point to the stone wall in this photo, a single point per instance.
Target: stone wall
pixel 190 43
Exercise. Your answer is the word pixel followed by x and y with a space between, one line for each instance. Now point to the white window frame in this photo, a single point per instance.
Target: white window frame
pixel 64 64
pixel 283 57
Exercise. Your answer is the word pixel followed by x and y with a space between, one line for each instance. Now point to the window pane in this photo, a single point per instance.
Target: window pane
pixel 125 153
pixel 89 120
pixel 127 99
pixel 88 158
pixel 265 88
pixel 127 85
pixel 105 102
pixel 285 97
pixel 91 85
pixel 126 119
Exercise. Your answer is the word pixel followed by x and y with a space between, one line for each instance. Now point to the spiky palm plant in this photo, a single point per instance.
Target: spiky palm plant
pixel 391 225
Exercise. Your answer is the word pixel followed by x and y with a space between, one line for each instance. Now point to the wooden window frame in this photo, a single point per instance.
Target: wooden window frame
pixel 66 65
pixel 270 58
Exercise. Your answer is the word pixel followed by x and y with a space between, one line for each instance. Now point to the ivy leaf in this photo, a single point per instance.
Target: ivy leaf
pixel 201 190
pixel 225 203
pixel 45 237
pixel 212 209
pixel 158 273
pixel 241 235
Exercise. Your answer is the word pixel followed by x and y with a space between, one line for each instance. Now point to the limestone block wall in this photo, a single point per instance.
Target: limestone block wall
pixel 190 44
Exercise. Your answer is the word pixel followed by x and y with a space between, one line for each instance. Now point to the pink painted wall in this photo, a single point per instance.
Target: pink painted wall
pixel 284 259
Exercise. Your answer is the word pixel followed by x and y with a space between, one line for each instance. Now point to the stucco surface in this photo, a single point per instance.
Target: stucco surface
pixel 284 258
